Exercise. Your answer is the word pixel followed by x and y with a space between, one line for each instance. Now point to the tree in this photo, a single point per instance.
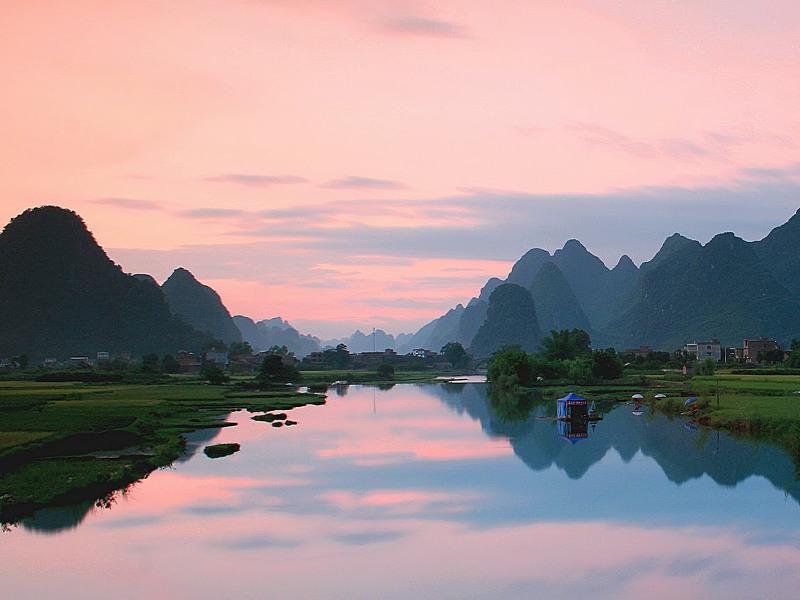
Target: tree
pixel 213 374
pixel 706 367
pixel 337 358
pixel 771 357
pixel 275 370
pixel 239 349
pixel 606 364
pixel 455 354
pixel 150 363
pixel 566 344
pixel 385 371
pixel 21 361
pixel 169 364
pixel 579 370
pixel 794 355
pixel 509 367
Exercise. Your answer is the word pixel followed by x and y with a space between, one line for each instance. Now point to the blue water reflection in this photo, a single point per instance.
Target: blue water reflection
pixel 437 491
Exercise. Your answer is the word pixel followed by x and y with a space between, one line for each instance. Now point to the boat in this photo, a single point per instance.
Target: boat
pixel 592 414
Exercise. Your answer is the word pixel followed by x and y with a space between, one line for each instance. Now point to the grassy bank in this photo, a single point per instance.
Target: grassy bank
pixel 762 406
pixel 48 431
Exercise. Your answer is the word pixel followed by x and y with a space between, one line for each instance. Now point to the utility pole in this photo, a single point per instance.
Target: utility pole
pixel 373 340
pixel 717 392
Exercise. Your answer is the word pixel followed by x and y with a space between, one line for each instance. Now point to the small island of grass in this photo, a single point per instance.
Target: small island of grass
pixel 220 450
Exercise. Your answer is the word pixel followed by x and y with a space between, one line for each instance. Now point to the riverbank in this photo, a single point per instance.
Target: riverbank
pixel 314 378
pixel 761 406
pixel 52 435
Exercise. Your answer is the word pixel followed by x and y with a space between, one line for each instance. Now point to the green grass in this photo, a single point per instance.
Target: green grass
pixel 53 481
pixel 10 439
pixel 46 429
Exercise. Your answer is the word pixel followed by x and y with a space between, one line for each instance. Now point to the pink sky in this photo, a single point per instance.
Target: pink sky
pixel 365 163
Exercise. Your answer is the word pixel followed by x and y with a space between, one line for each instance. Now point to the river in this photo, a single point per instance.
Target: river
pixel 426 491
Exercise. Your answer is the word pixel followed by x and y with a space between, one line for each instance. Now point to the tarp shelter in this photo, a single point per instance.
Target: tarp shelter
pixel 690 401
pixel 571 406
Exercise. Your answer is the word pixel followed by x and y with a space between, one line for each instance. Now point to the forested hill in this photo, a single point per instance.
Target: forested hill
pixel 200 306
pixel 60 295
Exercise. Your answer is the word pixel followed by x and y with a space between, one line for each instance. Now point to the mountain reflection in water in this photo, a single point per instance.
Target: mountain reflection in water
pixel 433 490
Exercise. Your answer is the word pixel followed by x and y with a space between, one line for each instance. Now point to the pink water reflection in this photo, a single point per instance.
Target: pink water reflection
pixel 302 513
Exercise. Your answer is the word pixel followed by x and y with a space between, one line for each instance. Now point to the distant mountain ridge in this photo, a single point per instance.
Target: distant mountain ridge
pixel 728 289
pixel 265 334
pixel 61 295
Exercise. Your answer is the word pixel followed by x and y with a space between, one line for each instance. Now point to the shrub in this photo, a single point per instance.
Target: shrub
pixel 385 371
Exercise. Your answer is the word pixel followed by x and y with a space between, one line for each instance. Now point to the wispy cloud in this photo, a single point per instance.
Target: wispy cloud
pixel 213 213
pixel 128 203
pixel 710 145
pixel 424 26
pixel 501 225
pixel 365 183
pixel 253 180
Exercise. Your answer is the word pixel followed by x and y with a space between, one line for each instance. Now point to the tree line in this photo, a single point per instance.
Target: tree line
pixel 564 354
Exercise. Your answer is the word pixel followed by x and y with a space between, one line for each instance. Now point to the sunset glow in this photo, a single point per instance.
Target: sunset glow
pixel 365 163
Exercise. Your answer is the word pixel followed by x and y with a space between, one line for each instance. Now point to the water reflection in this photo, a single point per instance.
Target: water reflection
pixel 681 450
pixel 435 491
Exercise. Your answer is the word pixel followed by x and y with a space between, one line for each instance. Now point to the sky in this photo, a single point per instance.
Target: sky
pixel 370 164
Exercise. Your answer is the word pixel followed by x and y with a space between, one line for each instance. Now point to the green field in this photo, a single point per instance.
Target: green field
pixel 761 406
pixel 48 430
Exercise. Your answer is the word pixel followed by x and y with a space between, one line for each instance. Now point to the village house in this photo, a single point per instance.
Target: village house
pixel 753 347
pixel 189 362
pixel 704 350
pixel 218 357
pixel 79 362
pixel 368 359
pixel 640 352
pixel 423 353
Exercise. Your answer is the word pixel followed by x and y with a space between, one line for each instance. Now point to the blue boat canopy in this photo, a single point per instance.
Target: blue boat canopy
pixel 562 404
pixel 572 398
pixel 691 400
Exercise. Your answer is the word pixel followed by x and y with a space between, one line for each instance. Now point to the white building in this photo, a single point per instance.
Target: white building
pixel 704 350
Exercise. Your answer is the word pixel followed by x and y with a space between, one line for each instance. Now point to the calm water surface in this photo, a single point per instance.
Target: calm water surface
pixel 425 491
